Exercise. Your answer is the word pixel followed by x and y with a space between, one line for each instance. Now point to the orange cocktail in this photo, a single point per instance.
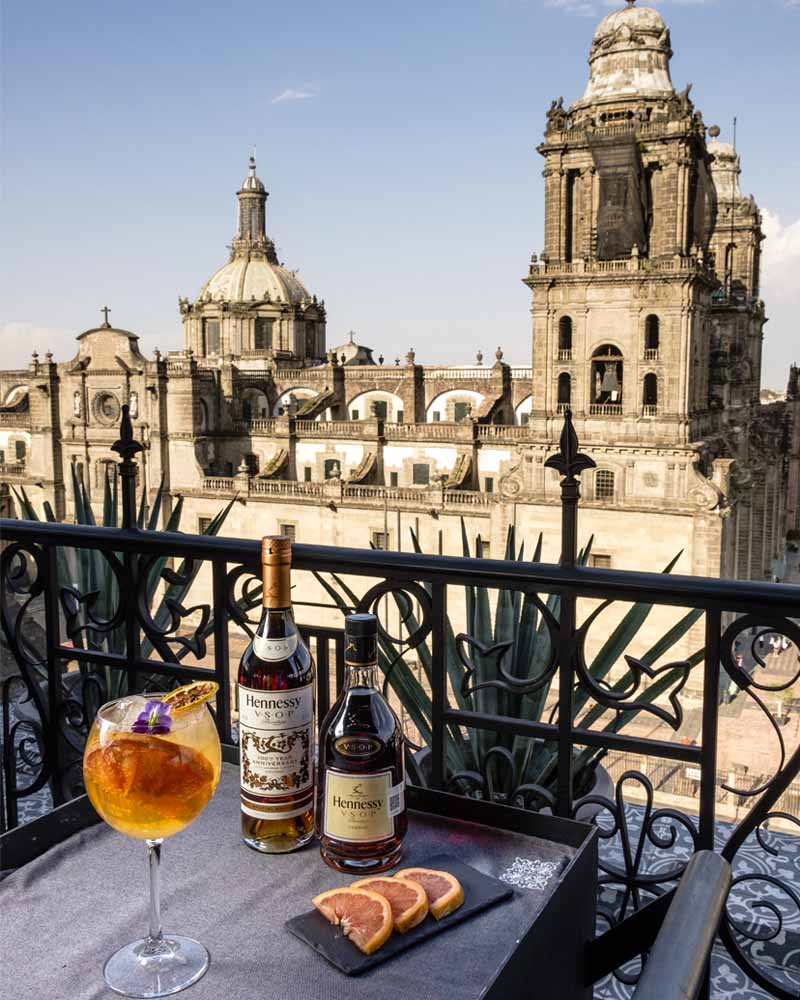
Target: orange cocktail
pixel 151 786
pixel 150 766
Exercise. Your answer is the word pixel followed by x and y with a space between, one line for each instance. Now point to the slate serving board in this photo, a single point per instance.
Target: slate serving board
pixel 480 892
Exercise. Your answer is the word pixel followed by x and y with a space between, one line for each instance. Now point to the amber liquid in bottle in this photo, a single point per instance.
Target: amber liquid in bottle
pixel 361 815
pixel 276 718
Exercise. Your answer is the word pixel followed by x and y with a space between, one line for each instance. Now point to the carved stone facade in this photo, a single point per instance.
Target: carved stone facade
pixel 645 323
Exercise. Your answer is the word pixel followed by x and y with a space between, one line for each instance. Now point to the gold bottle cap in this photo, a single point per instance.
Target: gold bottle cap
pixel 276 550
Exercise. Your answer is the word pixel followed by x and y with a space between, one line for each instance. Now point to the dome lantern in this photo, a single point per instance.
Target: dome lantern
pixel 251 237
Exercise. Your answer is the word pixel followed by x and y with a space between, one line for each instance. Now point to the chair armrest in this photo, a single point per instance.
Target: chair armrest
pixel 679 958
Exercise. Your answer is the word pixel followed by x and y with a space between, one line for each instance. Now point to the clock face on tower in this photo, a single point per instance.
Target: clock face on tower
pixel 106 408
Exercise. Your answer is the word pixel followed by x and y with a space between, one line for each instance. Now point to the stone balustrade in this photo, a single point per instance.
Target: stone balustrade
pixel 502 432
pixel 336 490
pixel 633 264
pixel 336 428
pixel 605 409
pixel 435 431
pixel 455 374
pixel 280 487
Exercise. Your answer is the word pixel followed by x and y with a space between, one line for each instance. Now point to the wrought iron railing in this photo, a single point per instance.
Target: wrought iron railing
pixel 46 622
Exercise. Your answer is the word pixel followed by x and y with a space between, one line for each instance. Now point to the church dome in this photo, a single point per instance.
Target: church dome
pixel 635 18
pixel 630 56
pixel 246 278
pixel 352 353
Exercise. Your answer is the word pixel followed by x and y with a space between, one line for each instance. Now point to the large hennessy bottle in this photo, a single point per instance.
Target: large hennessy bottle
pixel 361 816
pixel 276 718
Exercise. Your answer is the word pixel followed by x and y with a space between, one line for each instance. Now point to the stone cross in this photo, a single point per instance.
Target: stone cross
pixel 105 311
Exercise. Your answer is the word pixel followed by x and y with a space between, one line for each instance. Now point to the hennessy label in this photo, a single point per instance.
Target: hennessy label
pixel 274 649
pixel 361 808
pixel 276 747
pixel 358 747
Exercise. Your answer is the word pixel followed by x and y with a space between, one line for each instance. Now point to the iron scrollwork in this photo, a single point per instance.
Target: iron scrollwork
pixel 763 906
pixel 620 698
pixel 631 872
pixel 162 631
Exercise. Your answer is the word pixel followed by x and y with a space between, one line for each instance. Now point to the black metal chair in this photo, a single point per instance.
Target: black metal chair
pixel 678 961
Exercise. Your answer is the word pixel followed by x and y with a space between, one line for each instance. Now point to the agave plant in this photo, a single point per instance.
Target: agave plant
pixel 89 590
pixel 494 667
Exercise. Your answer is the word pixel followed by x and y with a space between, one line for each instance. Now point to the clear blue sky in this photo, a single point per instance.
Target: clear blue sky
pixel 401 160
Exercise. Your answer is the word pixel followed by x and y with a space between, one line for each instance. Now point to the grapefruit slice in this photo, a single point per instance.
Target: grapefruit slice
pixel 407 899
pixel 364 916
pixel 190 695
pixel 443 890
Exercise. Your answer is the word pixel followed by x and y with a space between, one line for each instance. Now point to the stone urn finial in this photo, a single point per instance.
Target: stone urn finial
pixel 499 353
pixel 479 357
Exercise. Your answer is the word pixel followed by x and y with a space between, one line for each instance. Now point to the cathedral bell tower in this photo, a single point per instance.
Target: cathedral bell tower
pixel 622 288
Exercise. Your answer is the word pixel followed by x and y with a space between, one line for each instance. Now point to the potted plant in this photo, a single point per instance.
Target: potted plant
pixel 502 664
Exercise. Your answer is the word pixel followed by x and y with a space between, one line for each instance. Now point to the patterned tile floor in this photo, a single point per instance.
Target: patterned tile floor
pixel 729 982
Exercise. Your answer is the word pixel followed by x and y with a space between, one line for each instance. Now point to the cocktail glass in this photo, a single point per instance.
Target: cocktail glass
pixel 149 771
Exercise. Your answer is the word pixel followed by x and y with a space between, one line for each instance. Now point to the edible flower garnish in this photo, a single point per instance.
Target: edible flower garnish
pixel 154 719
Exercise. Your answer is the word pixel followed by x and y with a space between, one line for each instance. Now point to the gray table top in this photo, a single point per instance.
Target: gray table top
pixel 66 912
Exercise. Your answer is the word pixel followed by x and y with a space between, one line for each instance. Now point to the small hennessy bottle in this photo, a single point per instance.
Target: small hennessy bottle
pixel 276 718
pixel 361 816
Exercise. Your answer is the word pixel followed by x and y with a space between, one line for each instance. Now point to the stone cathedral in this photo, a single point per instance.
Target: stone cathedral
pixel 647 323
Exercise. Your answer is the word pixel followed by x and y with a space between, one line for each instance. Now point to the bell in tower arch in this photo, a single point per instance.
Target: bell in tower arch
pixel 610 381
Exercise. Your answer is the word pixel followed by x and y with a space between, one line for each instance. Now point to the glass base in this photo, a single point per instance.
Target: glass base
pixel 145 969
pixel 352 864
pixel 278 845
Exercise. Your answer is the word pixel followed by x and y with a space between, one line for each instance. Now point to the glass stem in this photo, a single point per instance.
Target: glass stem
pixel 154 938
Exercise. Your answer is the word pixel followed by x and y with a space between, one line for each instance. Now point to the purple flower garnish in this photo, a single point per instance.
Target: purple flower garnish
pixel 154 719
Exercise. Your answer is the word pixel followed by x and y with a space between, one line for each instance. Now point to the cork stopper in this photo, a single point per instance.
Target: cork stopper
pixel 276 563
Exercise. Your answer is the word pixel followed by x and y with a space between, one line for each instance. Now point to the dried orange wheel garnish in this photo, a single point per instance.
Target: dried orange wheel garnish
pixel 190 696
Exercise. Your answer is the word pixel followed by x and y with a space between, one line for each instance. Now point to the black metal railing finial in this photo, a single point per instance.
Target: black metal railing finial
pixel 569 463
pixel 126 447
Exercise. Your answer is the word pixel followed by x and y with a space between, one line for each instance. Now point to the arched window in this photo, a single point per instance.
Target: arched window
pixel 564 389
pixel 565 337
pixel 652 336
pixel 604 484
pixel 606 384
pixel 650 390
